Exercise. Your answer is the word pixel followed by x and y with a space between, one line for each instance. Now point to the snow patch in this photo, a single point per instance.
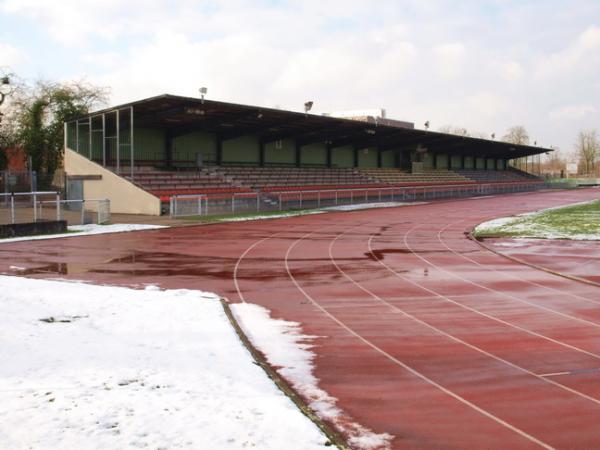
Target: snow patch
pixel 289 351
pixel 85 230
pixel 370 205
pixel 101 367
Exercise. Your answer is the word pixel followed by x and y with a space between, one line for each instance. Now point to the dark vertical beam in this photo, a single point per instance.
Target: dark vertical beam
pixel 462 162
pixel 261 153
pixel 495 163
pixel 355 150
pixel 328 151
pixel 219 143
pixel 434 156
pixel 169 148
pixel 298 154
pixel 379 157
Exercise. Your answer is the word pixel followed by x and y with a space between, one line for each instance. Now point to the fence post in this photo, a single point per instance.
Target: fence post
pixel 319 199
pixel 12 207
pixel 82 212
pixel 351 197
pixel 233 204
pixel 300 199
pixel 257 202
pixel 280 202
pixel 34 207
pixel 336 198
pixel 57 206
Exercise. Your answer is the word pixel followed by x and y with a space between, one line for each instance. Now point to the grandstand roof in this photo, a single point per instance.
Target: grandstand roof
pixel 182 115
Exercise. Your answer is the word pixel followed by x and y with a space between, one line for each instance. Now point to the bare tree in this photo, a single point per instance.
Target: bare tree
pixel 588 150
pixel 517 135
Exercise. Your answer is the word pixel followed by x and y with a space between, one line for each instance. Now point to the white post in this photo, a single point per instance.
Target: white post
pixel 118 145
pixel 257 202
pixel 57 206
pixel 233 204
pixel 90 136
pixel 12 207
pixel 279 202
pixel 82 212
pixel 103 140
pixel 319 199
pixel 34 207
pixel 65 131
pixel 131 139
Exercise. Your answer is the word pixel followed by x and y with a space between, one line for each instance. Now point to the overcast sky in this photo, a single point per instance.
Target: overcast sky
pixel 482 65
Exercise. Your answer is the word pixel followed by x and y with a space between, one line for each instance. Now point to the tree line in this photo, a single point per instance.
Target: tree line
pixel 33 118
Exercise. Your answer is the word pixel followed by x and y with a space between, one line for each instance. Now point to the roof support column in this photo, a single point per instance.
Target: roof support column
pixel 462 162
pixel 434 163
pixel 219 143
pixel 379 157
pixel 328 151
pixel 261 153
pixel 355 154
pixel 169 149
pixel 298 154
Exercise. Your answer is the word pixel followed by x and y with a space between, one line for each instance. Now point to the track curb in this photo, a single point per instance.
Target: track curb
pixel 335 438
pixel 526 263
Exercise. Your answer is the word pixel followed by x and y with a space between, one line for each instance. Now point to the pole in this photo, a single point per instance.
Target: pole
pixel 57 206
pixel 90 136
pixel 103 140
pixel 131 139
pixel 34 207
pixel 118 144
pixel 12 207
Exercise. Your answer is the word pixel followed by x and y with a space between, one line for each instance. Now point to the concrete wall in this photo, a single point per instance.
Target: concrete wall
pixel 388 159
pixel 125 197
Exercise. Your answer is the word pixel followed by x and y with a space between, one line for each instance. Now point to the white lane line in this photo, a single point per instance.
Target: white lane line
pixel 452 337
pixel 476 311
pixel 443 242
pixel 402 364
pixel 504 294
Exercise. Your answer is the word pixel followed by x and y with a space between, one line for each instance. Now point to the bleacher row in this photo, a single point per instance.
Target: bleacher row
pixel 238 179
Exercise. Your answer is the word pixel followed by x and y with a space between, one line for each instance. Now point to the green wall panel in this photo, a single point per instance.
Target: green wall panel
pixel 388 159
pixel 469 162
pixel 368 159
pixel 489 163
pixel 186 147
pixel 427 161
pixel 442 161
pixel 243 149
pixel 480 163
pixel 149 144
pixel 455 161
pixel 284 155
pixel 342 157
pixel 501 164
pixel 314 154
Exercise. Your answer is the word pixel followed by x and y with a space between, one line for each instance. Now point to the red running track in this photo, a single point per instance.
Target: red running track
pixel 427 336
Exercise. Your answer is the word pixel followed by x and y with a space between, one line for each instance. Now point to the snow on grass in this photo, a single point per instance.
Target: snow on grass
pixel 370 205
pixel 580 221
pixel 289 351
pixel 100 367
pixel 85 230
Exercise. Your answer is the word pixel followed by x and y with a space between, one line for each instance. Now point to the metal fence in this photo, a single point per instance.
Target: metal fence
pixel 17 181
pixel 256 202
pixel 22 207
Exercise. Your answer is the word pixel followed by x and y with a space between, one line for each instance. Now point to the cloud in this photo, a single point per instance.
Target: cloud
pixel 571 112
pixel 450 59
pixel 12 57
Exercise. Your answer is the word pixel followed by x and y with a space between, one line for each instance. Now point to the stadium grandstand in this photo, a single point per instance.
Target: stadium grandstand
pixel 142 153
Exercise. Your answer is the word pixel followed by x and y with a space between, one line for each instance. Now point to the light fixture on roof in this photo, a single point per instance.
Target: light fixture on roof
pixel 493 135
pixel 427 125
pixel 203 92
pixel 308 106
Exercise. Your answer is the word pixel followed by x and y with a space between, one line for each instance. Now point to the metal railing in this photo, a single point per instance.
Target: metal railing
pixel 22 207
pixel 257 202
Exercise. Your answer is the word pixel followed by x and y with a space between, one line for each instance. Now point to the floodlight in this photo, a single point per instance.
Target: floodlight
pixel 203 92
pixel 493 135
pixel 308 106
pixel 427 125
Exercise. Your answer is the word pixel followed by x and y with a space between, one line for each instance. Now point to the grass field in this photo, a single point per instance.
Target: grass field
pixel 580 221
